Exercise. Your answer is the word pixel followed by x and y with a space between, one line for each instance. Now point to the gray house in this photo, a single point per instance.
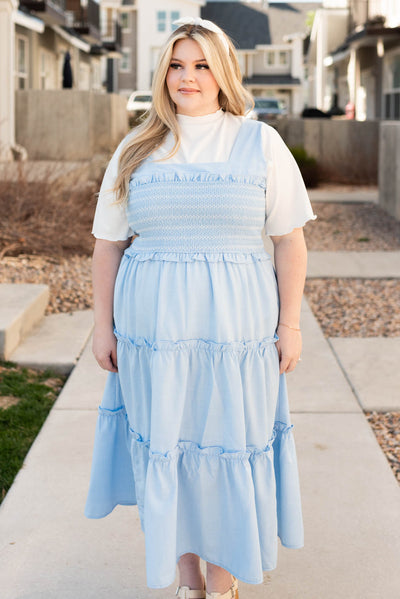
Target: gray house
pixel 270 39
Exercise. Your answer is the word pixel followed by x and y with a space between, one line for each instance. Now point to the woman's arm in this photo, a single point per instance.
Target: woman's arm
pixel 290 255
pixel 106 260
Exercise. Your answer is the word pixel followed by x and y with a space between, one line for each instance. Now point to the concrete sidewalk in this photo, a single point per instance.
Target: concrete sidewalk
pixel 346 195
pixel 350 497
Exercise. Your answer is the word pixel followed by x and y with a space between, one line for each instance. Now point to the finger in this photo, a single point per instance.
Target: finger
pixel 107 364
pixel 292 365
pixel 283 364
pixel 114 359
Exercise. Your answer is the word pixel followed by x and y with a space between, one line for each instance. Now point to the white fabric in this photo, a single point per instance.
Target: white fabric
pixel 210 138
pixel 206 25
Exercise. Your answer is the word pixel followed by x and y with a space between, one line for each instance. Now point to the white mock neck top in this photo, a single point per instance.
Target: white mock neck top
pixel 206 138
pixel 210 138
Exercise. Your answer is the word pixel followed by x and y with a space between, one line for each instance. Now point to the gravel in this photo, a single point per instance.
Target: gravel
pixel 69 279
pixel 355 307
pixel 352 227
pixel 386 427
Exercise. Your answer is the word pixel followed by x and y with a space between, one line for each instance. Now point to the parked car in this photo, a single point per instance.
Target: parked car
pixel 138 103
pixel 267 110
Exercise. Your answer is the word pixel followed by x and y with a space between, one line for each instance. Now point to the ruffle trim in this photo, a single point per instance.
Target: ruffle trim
pixel 197 256
pixel 197 344
pixel 200 177
pixel 210 451
pixel 264 500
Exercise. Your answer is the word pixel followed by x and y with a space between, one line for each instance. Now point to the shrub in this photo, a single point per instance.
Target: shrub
pixel 308 166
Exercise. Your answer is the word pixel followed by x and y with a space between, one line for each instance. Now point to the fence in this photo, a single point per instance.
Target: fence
pixel 69 124
pixel 347 151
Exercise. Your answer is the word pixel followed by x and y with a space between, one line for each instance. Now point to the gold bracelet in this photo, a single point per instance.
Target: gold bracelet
pixel 286 325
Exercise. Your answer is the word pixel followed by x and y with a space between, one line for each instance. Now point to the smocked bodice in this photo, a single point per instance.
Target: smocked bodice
pixel 202 207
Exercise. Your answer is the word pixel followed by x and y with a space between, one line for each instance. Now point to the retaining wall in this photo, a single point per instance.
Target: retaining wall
pixel 389 171
pixel 347 151
pixel 69 124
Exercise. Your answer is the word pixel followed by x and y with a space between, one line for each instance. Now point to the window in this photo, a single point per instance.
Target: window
pixel 396 72
pixel 392 91
pixel 125 61
pixel 161 20
pixel 125 21
pixel 21 62
pixel 45 70
pixel 270 58
pixel 283 58
pixel 175 14
pixel 107 22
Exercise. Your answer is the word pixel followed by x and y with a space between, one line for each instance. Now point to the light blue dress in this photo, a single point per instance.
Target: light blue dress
pixel 195 427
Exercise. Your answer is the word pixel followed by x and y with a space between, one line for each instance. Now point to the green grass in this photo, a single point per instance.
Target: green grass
pixel 26 397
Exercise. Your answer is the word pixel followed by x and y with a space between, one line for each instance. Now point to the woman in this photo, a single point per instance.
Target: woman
pixel 196 328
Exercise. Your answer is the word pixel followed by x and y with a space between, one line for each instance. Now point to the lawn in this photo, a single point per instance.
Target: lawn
pixel 26 397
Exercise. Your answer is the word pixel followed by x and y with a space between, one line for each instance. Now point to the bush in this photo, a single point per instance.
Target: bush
pixel 46 217
pixel 308 166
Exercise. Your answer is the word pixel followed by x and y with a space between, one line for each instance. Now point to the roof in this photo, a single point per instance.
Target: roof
pixel 250 24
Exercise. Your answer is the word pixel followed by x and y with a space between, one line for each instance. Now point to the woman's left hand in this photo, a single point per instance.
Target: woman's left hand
pixel 289 348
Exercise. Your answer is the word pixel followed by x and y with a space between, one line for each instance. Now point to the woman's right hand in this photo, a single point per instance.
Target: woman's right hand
pixel 104 348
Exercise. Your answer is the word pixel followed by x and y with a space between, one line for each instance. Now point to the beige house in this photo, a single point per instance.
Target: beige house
pixel 354 58
pixel 35 40
pixel 45 32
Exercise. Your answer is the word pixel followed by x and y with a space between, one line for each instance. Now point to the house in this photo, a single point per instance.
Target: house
pixel 45 32
pixel 145 27
pixel 270 39
pixel 354 57
pixel 37 38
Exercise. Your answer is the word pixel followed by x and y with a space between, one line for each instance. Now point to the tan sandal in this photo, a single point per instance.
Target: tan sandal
pixel 231 593
pixel 186 592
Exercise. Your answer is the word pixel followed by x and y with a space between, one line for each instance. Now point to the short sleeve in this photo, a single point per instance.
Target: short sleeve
pixel 110 220
pixel 287 205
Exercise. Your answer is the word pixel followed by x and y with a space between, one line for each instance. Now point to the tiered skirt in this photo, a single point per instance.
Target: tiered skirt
pixel 195 427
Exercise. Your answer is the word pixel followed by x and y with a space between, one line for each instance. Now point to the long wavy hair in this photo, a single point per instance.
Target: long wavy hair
pixel 161 118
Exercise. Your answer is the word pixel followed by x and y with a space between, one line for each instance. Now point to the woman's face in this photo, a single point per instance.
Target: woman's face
pixel 190 83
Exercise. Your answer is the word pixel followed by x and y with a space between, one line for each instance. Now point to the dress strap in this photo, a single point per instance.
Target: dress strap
pixel 247 154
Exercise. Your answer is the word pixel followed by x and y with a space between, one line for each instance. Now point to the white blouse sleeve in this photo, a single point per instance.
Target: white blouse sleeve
pixel 110 220
pixel 287 204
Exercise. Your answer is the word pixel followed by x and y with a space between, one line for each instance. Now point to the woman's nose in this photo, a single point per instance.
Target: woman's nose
pixel 188 75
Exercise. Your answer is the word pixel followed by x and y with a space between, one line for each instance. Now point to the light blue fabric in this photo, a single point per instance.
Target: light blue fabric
pixel 195 427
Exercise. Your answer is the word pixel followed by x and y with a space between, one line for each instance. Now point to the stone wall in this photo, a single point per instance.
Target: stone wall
pixel 69 124
pixel 347 151
pixel 389 171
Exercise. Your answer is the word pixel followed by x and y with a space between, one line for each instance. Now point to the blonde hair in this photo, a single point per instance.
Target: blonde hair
pixel 161 118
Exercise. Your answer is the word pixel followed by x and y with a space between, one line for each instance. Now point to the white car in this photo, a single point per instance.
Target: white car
pixel 139 102
pixel 267 109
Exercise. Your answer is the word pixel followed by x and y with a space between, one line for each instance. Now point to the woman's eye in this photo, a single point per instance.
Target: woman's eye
pixel 202 66
pixel 174 65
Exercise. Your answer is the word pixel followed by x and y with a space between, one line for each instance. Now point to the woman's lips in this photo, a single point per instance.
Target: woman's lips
pixel 188 90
